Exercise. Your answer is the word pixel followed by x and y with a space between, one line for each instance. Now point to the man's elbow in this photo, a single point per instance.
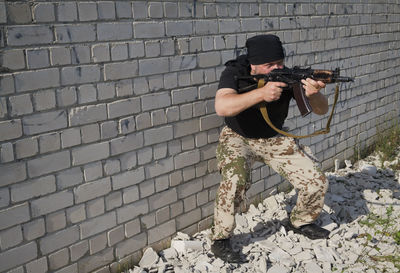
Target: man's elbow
pixel 222 112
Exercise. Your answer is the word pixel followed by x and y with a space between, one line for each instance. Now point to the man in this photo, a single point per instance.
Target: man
pixel 247 137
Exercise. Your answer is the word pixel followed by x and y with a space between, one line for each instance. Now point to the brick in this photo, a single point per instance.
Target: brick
pixel 128 178
pixel 19 13
pixel 179 28
pixel 161 231
pixel 76 214
pixel 153 66
pixel 33 188
pixel 29 35
pixel 124 9
pixel 21 105
pixel 185 128
pixel 184 95
pixel 158 117
pixel 158 135
pixel 136 49
pixel 124 70
pixel 106 10
pixel 207 91
pixel 131 211
pixel 44 100
pixel 204 27
pixel 70 137
pixel 6 84
pixel 59 240
pixel 186 159
pixel 3 107
pixel 131 245
pixel 14 215
pixel 148 29
pixel 58 259
pixel 10 129
pixel 26 147
pixel 4 198
pixel 34 229
pixel 98 243
pixel 95 207
pixel 55 221
pixel 163 199
pixel 18 256
pixel 40 79
pixel 37 266
pixel 78 250
pixel 146 188
pixel 80 74
pixel 90 133
pixel 49 163
pixel 67 12
pixel 132 228
pixel 210 121
pixel 97 225
pixel 75 33
pixel 87 11
pixel 119 51
pixel 158 168
pixel 179 63
pixel 51 203
pixel 209 59
pixel 188 219
pixel 93 171
pixel 38 58
pixel 90 153
pixel 229 26
pixel 60 55
pixel 100 53
pixel 89 264
pixel 113 200
pixel 12 173
pixel 189 188
pixel 126 125
pixel 13 59
pixel 155 101
pixel 87 93
pixel 43 12
pixel 114 31
pixel 127 143
pixel 123 107
pixel 11 237
pixel 92 190
pixel 87 114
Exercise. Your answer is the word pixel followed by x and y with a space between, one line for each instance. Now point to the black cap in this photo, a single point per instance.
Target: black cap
pixel 263 49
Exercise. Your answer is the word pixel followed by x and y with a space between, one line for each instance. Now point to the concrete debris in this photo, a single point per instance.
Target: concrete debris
pixel 360 196
pixel 149 258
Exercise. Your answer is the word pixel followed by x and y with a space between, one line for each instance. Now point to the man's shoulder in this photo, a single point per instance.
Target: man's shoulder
pixel 240 65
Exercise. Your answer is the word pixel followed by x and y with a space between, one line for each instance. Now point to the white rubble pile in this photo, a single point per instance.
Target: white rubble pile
pixel 362 208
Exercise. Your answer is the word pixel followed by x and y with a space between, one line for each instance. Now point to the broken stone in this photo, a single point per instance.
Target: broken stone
pixel 149 258
pixel 184 246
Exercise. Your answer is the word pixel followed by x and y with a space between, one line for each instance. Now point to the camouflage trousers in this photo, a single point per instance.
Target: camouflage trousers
pixel 236 154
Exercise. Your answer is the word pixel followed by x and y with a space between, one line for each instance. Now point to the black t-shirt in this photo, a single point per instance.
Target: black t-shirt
pixel 250 122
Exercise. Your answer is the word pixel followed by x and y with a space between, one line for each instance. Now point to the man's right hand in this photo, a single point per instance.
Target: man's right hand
pixel 272 91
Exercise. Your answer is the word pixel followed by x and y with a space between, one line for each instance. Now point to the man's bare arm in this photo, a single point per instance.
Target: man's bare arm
pixel 229 103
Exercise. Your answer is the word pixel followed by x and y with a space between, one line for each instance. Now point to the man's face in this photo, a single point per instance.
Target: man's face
pixel 266 68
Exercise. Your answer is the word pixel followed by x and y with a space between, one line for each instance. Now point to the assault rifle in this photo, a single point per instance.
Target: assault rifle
pixel 293 77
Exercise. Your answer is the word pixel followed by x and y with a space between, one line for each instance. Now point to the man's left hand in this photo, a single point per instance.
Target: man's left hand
pixel 312 87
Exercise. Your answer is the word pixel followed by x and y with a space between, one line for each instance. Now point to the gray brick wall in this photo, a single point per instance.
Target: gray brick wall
pixel 107 123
